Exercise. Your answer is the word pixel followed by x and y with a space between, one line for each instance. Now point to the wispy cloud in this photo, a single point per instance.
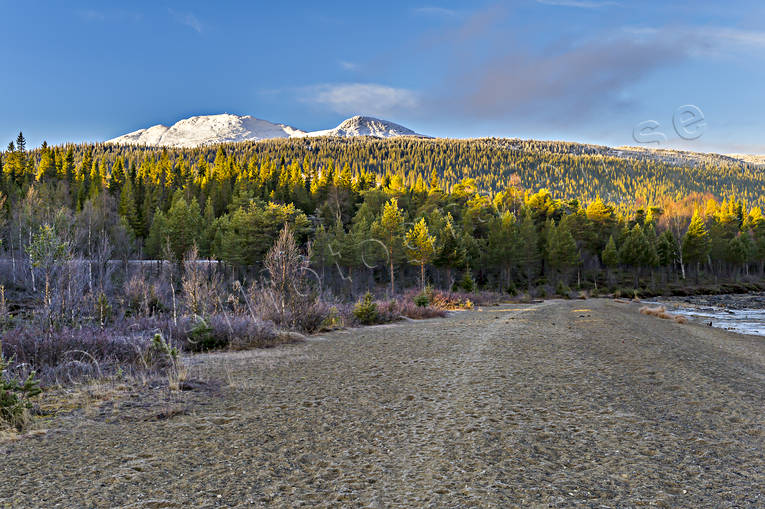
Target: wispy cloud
pixel 733 35
pixel 354 98
pixel 581 4
pixel 188 19
pixel 707 41
pixel 434 11
pixel 348 66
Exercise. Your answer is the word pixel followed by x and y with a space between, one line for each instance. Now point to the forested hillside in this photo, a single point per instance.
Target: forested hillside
pixel 508 212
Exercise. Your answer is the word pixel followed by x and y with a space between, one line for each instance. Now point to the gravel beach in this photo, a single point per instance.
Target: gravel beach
pixel 564 403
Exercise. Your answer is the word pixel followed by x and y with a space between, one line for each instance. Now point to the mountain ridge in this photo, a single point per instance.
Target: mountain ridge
pixel 201 130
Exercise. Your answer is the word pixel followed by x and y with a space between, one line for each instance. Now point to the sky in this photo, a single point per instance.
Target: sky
pixel 659 74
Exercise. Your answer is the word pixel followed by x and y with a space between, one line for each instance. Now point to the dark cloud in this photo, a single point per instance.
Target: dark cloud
pixel 581 80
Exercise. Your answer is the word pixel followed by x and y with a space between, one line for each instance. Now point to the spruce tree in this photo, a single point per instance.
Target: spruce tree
pixel 528 252
pixel 696 242
pixel 610 255
pixel 21 143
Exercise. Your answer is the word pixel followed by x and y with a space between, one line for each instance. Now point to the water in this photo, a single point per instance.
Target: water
pixel 744 313
pixel 743 321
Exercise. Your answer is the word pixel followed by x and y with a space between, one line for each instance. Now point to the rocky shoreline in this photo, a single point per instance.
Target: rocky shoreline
pixel 724 301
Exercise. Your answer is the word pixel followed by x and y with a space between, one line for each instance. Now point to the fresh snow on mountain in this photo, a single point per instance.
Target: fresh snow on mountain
pixel 208 130
pixel 366 126
pixel 226 128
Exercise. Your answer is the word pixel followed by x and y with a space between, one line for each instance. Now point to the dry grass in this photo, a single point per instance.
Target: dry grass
pixel 653 311
pixel 661 312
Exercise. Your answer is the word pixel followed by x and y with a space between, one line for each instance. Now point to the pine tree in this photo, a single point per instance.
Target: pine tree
pixel 636 251
pixel 388 229
pixel 562 253
pixel 502 245
pixel 421 247
pixel 450 251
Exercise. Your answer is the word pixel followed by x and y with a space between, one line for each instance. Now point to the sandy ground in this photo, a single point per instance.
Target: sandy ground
pixel 564 403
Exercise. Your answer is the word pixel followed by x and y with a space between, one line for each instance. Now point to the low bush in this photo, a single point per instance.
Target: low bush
pixel 197 334
pixel 72 354
pixel 422 299
pixel 15 395
pixel 366 311
pixel 417 312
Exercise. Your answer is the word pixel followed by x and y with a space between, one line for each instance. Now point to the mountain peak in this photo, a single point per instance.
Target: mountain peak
pixel 208 130
pixel 361 125
pixel 203 130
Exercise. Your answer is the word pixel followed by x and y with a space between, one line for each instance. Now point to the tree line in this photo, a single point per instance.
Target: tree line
pixel 495 214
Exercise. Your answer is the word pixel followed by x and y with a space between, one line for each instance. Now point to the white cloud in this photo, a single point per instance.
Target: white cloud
pixel 188 19
pixel 356 98
pixel 734 35
pixel 582 4
pixel 708 40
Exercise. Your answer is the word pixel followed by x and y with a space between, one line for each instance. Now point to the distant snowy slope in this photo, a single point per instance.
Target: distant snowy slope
pixel 208 130
pixel 366 126
pixel 226 128
pixel 150 136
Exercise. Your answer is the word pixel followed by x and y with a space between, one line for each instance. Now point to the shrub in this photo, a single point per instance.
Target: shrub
pixel 446 300
pixel 467 283
pixel 562 290
pixel 332 320
pixel 201 337
pixel 15 395
pixel 79 353
pixel 310 316
pixel 422 300
pixel 220 331
pixel 416 312
pixel 366 310
pixel 141 298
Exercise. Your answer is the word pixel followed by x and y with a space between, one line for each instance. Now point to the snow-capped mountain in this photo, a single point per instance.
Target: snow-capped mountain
pixel 208 130
pixel 366 126
pixel 227 128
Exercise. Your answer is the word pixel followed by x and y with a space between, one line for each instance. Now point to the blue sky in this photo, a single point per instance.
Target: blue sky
pixel 577 70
